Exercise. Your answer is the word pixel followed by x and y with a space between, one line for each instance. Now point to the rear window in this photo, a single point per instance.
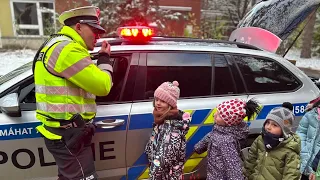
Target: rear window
pixel 264 75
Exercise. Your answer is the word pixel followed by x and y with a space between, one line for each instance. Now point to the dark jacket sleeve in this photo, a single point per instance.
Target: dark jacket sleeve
pixel 314 100
pixel 316 162
pixel 202 145
pixel 183 123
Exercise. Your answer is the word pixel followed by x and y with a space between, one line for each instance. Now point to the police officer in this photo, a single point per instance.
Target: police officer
pixel 66 83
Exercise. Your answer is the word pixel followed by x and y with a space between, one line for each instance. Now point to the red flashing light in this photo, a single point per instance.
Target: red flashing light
pixel 136 32
pixel 147 32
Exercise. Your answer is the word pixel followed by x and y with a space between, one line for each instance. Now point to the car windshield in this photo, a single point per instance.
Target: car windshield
pixel 12 74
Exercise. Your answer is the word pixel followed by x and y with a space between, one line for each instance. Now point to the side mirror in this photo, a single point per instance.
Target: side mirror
pixel 9 104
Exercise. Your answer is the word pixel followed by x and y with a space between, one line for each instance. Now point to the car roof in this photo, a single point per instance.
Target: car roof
pixel 170 44
pixel 184 44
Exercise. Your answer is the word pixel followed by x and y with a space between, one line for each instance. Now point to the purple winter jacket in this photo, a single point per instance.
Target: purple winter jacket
pixel 222 144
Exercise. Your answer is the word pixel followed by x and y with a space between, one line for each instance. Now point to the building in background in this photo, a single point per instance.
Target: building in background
pixel 26 23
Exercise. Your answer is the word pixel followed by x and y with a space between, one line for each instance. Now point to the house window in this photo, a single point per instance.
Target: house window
pixel 33 18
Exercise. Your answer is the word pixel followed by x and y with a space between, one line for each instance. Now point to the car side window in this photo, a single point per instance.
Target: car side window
pixel 238 82
pixel 121 64
pixel 264 75
pixel 223 82
pixel 27 94
pixel 193 71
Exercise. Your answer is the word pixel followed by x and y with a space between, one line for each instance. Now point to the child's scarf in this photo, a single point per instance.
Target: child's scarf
pixel 271 140
pixel 161 116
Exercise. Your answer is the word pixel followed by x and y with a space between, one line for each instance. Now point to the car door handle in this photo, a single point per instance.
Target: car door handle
pixel 109 123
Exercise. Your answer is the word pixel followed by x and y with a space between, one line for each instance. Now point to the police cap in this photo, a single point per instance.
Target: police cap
pixel 85 15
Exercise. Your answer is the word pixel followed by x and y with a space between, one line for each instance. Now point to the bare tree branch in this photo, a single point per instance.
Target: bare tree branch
pixel 244 9
pixel 231 18
pixel 238 8
pixel 253 2
pixel 308 37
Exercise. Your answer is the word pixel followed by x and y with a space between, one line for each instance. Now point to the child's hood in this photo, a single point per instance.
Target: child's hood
pixel 293 143
pixel 239 131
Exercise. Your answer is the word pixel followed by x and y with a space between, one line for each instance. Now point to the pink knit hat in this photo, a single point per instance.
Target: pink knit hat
pixel 232 111
pixel 168 92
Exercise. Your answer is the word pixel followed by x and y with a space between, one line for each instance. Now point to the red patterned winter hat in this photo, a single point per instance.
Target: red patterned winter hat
pixel 232 111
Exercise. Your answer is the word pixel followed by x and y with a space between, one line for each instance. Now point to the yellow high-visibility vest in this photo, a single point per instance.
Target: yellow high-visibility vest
pixel 67 81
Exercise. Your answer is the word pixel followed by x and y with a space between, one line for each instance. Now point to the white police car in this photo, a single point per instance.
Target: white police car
pixel 208 72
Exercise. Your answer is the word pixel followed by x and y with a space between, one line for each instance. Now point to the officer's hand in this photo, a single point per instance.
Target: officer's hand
pixel 105 48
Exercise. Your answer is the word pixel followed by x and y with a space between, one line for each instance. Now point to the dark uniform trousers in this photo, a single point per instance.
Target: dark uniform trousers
pixel 73 154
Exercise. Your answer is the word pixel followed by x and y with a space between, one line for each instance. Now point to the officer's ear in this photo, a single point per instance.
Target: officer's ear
pixel 77 27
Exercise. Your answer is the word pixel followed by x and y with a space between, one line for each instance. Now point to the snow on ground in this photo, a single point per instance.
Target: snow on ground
pixel 12 59
pixel 312 63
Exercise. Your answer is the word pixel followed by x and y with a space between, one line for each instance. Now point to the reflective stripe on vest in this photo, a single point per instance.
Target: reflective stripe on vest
pixel 77 67
pixel 70 71
pixel 47 134
pixel 63 90
pixel 60 108
pixel 54 57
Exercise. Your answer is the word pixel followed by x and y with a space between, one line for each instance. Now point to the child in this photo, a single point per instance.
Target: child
pixel 315 168
pixel 289 106
pixel 167 144
pixel 309 133
pixel 224 160
pixel 275 153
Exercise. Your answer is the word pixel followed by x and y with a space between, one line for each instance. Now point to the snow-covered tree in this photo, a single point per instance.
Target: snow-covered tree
pixel 234 10
pixel 316 35
pixel 116 13
pixel 221 17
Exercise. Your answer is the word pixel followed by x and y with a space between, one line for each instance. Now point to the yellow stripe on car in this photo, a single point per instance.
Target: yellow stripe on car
pixel 195 158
